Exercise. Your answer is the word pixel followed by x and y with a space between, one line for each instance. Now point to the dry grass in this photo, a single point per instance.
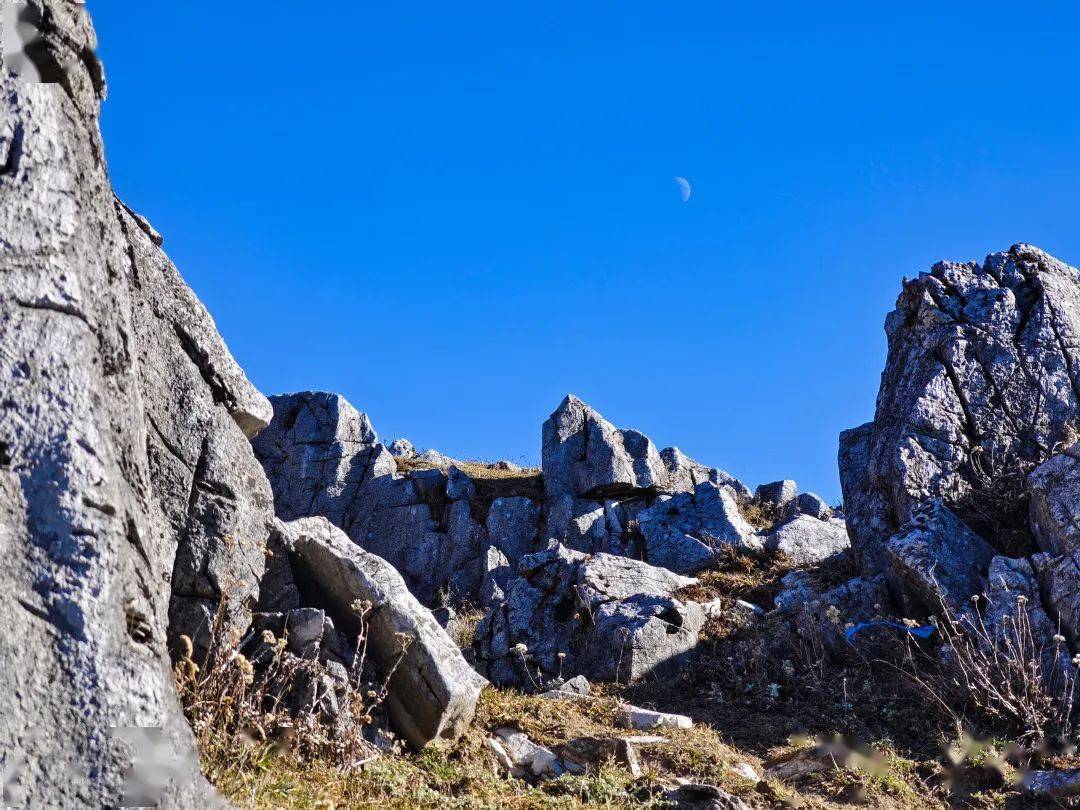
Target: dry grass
pixel 464 775
pixel 463 627
pixel 754 689
pixel 473 469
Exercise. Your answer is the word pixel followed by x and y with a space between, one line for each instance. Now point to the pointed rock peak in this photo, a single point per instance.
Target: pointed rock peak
pixel 571 403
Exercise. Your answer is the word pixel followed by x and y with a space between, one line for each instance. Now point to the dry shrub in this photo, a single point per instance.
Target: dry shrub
pixel 1006 678
pixel 242 708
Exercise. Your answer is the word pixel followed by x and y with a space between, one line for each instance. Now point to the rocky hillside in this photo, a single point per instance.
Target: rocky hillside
pixel 192 569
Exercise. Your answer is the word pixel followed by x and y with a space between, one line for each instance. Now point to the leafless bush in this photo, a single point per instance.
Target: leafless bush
pixel 1006 675
pixel 275 703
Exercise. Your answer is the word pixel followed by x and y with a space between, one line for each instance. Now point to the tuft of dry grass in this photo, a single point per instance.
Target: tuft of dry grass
pixel 759 515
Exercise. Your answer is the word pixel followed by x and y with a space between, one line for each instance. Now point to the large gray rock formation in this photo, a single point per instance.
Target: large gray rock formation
pixel 602 616
pixel 600 480
pixel 432 689
pixel 459 536
pixel 981 383
pixel 435 526
pixel 130 501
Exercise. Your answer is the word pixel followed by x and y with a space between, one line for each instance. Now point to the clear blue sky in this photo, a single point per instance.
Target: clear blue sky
pixel 456 213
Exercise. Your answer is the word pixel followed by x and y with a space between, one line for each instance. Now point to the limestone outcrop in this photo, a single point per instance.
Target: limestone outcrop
pixel 981 384
pixel 131 505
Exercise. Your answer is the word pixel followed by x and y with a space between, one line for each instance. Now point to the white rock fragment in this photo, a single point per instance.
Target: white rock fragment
pixel 634 717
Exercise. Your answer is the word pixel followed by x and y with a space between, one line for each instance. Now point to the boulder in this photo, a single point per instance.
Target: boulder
pixel 695 796
pixel 979 386
pixel 605 617
pixel 576 687
pixel 777 494
pixel 432 689
pixel 684 474
pixel 814 505
pixel 647 719
pixel 686 532
pixel 796 588
pixel 401 448
pixel 807 540
pixel 938 560
pixel 1052 784
pixel 526 758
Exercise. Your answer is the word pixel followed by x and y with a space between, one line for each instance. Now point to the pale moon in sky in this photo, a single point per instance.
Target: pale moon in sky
pixel 684 188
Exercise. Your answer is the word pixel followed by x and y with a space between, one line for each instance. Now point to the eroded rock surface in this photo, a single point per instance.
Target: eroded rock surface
pixel 980 385
pixel 602 616
pixel 130 502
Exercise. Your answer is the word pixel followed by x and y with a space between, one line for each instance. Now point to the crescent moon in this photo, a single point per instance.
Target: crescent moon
pixel 684 188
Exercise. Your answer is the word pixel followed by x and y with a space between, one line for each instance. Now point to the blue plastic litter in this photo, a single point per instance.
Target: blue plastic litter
pixel 918 632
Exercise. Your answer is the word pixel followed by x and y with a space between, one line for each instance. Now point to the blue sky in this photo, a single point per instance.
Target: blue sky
pixel 456 213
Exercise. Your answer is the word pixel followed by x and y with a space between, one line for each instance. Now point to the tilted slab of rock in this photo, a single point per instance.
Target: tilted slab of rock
pixel 981 382
pixel 686 533
pixel 938 560
pixel 606 617
pixel 123 450
pixel 433 690
pixel 807 540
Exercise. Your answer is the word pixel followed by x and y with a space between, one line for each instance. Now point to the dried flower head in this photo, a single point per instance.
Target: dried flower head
pixel 247 671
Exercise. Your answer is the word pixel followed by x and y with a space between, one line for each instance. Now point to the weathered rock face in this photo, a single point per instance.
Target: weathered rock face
pixel 605 617
pixel 130 502
pixel 937 560
pixel 981 383
pixel 460 536
pixel 586 456
pixel 686 532
pixel 609 490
